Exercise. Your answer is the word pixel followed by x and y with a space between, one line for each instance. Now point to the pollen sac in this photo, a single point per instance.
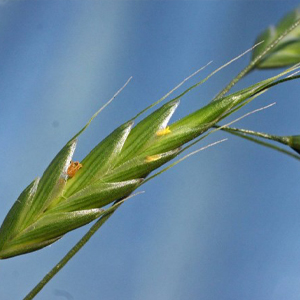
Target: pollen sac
pixel 73 168
pixel 100 160
pixel 163 132
pixel 151 158
pixel 141 166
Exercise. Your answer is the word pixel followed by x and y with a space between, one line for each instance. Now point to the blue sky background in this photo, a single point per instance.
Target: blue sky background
pixel 223 225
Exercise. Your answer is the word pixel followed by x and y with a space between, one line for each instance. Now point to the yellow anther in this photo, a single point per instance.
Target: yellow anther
pixel 151 158
pixel 163 131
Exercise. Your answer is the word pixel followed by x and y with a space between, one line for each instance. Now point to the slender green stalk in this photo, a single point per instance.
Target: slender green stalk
pixel 75 249
pixel 67 257
pixel 243 134
pixel 108 213
pixel 276 138
pixel 256 60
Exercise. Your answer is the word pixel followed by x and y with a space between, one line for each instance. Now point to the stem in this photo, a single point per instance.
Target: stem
pixel 255 61
pixel 265 144
pixel 107 214
pixel 68 256
pixel 276 138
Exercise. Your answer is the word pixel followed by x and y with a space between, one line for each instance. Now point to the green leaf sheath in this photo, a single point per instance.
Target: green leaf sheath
pixel 287 51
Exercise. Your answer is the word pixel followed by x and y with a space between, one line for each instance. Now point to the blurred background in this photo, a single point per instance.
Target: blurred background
pixel 224 224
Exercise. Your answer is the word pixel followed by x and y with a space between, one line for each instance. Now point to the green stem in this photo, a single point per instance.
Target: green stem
pixel 255 61
pixel 257 141
pixel 280 139
pixel 68 256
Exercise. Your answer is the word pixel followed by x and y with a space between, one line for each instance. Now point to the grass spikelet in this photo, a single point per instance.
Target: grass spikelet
pixel 72 194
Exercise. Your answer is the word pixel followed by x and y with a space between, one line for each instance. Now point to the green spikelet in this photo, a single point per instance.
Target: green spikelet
pixel 287 51
pixel 60 201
